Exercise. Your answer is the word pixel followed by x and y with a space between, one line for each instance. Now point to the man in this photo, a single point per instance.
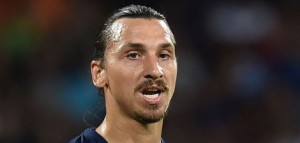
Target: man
pixel 135 66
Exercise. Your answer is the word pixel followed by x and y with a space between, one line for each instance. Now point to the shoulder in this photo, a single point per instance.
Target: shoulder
pixel 89 136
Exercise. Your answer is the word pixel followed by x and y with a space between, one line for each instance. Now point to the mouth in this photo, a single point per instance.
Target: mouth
pixel 152 94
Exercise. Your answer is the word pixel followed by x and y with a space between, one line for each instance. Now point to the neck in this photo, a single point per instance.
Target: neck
pixel 115 130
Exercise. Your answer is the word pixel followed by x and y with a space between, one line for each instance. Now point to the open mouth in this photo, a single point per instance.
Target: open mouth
pixel 151 93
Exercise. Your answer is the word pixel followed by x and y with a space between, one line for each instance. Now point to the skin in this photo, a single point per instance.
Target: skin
pixel 140 49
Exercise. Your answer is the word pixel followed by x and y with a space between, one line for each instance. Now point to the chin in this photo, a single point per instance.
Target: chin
pixel 150 116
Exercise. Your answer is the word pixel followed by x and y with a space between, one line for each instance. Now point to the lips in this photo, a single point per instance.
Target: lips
pixel 152 91
pixel 152 94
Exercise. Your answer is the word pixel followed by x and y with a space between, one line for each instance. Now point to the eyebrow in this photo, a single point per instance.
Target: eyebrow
pixel 166 45
pixel 135 45
pixel 140 46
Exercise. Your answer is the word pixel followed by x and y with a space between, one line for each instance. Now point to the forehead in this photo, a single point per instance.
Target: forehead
pixel 141 22
pixel 139 28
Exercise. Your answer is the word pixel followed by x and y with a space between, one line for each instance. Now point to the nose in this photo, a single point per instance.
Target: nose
pixel 152 69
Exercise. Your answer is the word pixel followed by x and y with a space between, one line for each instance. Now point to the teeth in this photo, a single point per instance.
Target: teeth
pixel 151 96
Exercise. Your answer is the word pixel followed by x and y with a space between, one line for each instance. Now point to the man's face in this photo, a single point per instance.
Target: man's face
pixel 140 69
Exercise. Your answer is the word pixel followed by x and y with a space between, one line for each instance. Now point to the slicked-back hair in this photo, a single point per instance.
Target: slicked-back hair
pixel 131 11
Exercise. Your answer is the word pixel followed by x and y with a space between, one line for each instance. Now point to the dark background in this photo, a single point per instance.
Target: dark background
pixel 238 82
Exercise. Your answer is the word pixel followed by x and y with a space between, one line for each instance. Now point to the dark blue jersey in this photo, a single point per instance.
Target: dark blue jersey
pixel 91 136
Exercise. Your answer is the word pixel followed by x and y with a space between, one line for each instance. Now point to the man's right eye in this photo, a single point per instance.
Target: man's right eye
pixel 133 56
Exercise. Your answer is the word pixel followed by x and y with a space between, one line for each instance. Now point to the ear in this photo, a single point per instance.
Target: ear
pixel 98 74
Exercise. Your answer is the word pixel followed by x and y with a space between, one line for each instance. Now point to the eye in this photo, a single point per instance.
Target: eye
pixel 164 56
pixel 133 55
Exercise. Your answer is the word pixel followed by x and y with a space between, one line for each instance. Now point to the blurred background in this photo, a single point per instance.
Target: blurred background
pixel 238 82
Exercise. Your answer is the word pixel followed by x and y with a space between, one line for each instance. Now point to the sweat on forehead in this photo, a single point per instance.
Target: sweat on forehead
pixel 116 30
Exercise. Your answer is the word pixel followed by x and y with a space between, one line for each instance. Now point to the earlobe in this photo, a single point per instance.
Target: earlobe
pixel 98 74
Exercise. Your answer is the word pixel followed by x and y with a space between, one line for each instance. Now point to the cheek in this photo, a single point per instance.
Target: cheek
pixel 170 71
pixel 175 70
pixel 121 78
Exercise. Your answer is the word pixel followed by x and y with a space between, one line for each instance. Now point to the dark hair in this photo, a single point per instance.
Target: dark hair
pixel 131 11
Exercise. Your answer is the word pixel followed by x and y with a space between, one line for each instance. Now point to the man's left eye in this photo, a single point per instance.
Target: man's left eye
pixel 164 56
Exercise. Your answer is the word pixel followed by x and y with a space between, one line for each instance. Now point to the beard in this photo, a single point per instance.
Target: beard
pixel 152 114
